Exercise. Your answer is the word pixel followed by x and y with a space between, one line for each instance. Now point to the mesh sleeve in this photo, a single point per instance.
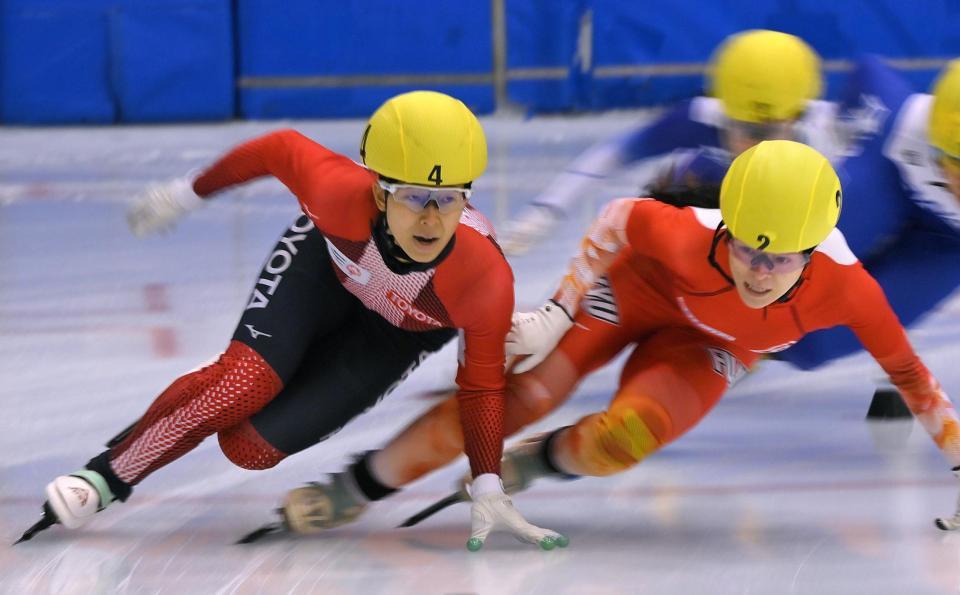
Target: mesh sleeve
pixel 482 419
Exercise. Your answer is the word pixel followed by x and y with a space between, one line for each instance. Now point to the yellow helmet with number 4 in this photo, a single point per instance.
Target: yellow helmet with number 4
pixel 780 196
pixel 761 76
pixel 425 138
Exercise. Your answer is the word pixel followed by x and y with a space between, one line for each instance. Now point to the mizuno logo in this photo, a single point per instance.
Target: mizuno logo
pixel 255 333
pixel 81 495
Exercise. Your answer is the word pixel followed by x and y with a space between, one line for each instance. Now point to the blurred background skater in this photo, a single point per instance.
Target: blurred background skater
pixel 763 85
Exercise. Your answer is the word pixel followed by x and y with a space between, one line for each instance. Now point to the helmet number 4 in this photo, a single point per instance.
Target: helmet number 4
pixel 435 175
pixel 363 142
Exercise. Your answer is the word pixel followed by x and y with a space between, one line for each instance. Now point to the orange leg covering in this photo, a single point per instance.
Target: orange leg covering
pixel 670 382
pixel 435 439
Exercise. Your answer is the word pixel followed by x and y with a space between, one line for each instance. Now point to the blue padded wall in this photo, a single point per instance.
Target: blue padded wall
pixel 98 61
pixel 93 61
pixel 173 60
pixel 658 32
pixel 370 37
pixel 542 34
pixel 53 62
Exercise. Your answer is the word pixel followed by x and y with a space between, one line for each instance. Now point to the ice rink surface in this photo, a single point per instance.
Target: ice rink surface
pixel 784 488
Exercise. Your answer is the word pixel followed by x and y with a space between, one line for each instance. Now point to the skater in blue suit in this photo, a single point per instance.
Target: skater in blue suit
pixel 901 213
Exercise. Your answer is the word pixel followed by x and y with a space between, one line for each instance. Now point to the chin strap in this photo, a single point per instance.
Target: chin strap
pixel 719 234
pixel 393 255
pixel 388 243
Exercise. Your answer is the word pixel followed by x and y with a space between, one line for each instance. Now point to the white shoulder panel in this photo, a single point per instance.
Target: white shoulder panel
pixel 909 148
pixel 835 246
pixel 707 110
pixel 709 218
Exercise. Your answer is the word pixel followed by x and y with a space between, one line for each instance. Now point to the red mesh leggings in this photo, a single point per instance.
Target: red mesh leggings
pixel 195 406
pixel 246 448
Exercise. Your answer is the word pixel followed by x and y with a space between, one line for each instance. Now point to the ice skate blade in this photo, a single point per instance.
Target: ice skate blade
pixel 432 510
pixel 258 534
pixel 46 521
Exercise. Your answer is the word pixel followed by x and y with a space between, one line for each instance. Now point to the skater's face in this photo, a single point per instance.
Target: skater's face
pixel 740 136
pixel 422 220
pixel 762 278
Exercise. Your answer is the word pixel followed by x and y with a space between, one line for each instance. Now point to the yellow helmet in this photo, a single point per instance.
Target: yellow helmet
pixel 427 138
pixel 780 196
pixel 945 113
pixel 762 75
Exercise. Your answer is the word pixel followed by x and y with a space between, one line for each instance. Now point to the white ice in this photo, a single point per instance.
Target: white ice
pixel 784 488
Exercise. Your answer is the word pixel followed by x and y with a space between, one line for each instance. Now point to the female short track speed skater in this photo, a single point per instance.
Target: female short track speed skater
pixel 898 168
pixel 698 296
pixel 388 264
pixel 891 146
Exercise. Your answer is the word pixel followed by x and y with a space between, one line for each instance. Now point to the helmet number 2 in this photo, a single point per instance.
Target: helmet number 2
pixel 435 175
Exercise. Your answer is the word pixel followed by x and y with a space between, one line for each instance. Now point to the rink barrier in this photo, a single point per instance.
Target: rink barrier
pixel 550 55
pixel 106 61
pixel 102 61
pixel 538 74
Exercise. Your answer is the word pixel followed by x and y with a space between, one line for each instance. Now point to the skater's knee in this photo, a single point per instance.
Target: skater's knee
pixel 246 448
pixel 624 436
pixel 237 385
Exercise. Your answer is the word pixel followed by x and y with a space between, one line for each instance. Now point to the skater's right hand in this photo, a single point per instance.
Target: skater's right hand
pixel 492 509
pixel 527 230
pixel 535 334
pixel 159 207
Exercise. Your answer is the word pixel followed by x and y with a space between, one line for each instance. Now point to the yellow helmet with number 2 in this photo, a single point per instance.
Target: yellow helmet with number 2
pixel 762 75
pixel 780 196
pixel 425 138
pixel 945 113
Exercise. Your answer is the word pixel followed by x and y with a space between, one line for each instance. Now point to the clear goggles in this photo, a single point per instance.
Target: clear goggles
pixel 416 198
pixel 759 131
pixel 785 262
pixel 947 161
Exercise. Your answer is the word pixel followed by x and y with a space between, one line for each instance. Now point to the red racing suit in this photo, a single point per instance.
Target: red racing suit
pixel 469 289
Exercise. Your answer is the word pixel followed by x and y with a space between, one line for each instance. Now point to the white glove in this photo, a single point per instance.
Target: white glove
pixel 536 333
pixel 159 206
pixel 533 224
pixel 952 523
pixel 492 508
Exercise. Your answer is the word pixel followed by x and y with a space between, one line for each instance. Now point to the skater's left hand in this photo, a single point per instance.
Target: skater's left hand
pixel 492 509
pixel 951 523
pixel 159 207
pixel 535 334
